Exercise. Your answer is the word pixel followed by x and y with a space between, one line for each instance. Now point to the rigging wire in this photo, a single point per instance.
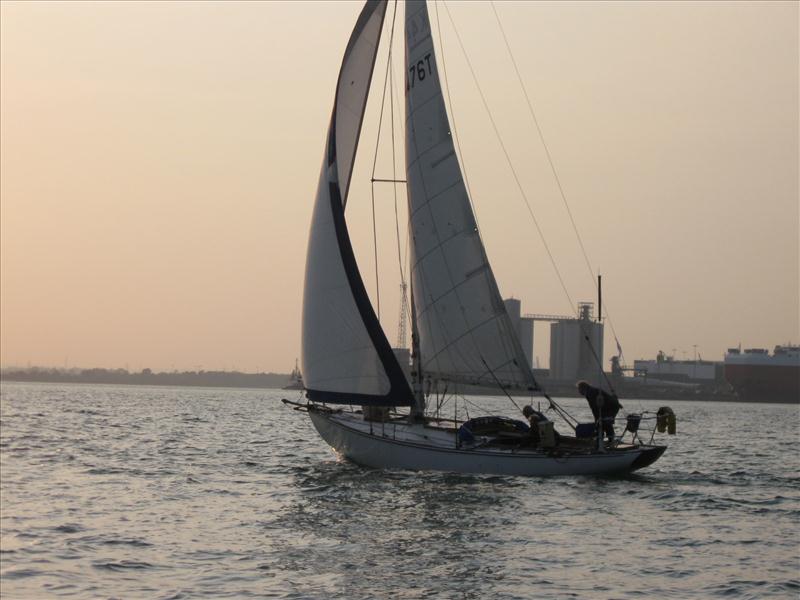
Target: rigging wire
pixel 460 158
pixel 375 163
pixel 404 255
pixel 500 385
pixel 522 191
pixel 412 267
pixel 396 96
pixel 480 407
pixel 552 166
pixel 390 84
pixel 375 249
pixel 394 166
pixel 403 284
pixel 443 63
pixel 506 154
pixel 562 194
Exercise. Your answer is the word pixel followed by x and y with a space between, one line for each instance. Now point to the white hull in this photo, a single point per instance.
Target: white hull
pixel 398 445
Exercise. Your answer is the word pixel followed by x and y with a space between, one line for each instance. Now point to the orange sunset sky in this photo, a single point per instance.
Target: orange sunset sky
pixel 159 160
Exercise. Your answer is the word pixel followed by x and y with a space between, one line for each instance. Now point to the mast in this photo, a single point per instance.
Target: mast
pixel 417 377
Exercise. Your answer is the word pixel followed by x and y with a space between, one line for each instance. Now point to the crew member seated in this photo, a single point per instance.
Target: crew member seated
pixel 542 431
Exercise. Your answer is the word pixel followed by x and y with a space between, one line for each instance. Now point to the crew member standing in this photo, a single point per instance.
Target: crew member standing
pixel 603 405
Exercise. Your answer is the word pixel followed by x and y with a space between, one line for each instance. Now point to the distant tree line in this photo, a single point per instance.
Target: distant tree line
pixel 147 377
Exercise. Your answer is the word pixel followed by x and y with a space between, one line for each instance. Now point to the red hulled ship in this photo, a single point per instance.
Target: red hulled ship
pixel 758 376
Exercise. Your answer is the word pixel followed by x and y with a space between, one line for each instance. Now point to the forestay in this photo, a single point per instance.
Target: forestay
pixel 345 354
pixel 465 334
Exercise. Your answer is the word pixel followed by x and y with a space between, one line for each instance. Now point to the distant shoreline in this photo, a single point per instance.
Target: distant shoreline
pixel 235 379
pixel 231 379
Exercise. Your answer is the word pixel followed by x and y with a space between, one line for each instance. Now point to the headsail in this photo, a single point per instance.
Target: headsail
pixel 346 356
pixel 465 332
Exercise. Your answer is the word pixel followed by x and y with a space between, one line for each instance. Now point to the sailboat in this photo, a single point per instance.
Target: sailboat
pixel 356 390
pixel 295 379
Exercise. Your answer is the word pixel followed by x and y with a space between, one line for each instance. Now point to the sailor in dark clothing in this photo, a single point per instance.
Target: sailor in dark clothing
pixel 603 405
pixel 535 418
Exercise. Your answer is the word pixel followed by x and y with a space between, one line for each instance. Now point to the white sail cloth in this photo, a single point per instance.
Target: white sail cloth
pixel 345 355
pixel 465 334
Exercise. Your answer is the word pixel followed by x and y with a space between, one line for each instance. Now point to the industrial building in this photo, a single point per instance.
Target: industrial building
pixel 522 325
pixel 666 368
pixel 576 347
pixel 576 342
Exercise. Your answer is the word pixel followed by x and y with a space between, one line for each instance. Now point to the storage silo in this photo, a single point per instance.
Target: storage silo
pixel 576 347
pixel 526 338
pixel 522 326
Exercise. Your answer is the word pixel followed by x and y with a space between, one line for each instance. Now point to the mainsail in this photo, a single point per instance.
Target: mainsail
pixel 465 334
pixel 346 357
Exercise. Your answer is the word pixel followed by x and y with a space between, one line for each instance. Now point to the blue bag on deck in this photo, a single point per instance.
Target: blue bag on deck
pixel 585 430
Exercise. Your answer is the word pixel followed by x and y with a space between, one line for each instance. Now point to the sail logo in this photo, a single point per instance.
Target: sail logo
pixel 418 29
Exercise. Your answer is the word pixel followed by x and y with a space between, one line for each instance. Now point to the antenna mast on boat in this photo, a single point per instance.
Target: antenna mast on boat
pixel 599 298
pixel 402 328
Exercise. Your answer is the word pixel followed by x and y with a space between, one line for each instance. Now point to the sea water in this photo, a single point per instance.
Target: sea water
pixel 145 492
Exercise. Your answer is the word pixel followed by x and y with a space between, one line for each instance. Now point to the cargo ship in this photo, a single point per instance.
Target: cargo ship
pixel 758 376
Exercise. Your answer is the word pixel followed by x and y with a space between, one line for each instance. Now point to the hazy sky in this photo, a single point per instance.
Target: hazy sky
pixel 159 163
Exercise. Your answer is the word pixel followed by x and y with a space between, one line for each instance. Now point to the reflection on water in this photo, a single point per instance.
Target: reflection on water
pixel 178 493
pixel 373 529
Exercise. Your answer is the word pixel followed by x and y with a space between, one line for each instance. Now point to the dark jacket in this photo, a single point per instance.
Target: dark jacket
pixel 600 400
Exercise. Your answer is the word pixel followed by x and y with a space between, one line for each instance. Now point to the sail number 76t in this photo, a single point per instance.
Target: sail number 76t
pixel 419 71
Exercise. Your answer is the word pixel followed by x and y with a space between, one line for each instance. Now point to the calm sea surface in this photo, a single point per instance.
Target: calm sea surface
pixel 137 492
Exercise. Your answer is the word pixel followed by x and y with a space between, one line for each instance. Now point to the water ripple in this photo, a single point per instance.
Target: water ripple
pixel 184 493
